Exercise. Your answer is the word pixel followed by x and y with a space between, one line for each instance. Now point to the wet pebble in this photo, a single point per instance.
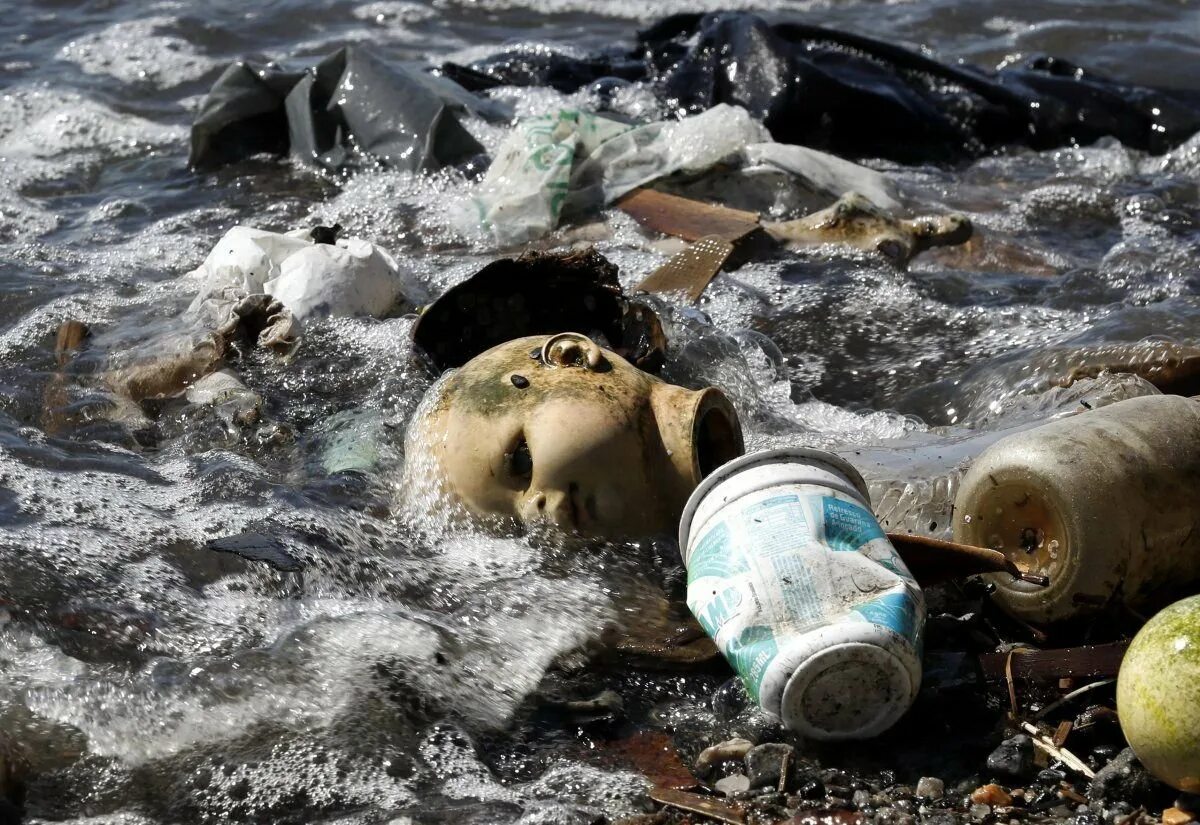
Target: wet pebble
pixel 930 787
pixel 1013 759
pixel 765 765
pixel 1175 816
pixel 729 750
pixel 738 783
pixel 979 812
pixel 861 799
pixel 1123 779
pixel 811 789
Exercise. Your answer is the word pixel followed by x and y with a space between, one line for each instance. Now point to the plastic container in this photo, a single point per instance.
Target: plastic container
pixel 791 575
pixel 1103 502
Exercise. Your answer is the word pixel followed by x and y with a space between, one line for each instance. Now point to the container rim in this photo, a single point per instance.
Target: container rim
pixel 749 460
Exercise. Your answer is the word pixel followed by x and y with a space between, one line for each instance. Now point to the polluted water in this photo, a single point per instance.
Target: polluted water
pixel 208 615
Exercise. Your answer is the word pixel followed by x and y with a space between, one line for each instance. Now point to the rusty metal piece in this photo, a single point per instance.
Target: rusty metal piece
pixel 653 754
pixel 691 270
pixel 932 561
pixel 719 809
pixel 686 218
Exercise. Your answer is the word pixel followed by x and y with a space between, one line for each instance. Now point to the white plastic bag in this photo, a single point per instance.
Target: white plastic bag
pixel 312 280
pixel 567 164
pixel 823 172
pixel 351 277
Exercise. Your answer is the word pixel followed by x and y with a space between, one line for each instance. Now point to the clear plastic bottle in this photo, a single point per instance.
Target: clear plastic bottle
pixel 1104 503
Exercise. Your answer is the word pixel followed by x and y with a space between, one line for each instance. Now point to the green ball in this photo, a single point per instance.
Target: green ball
pixel 1158 695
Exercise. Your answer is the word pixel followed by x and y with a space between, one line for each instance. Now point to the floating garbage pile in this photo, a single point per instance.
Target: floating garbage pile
pixel 752 422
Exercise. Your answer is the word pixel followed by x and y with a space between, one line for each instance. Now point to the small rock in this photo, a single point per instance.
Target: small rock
pixel 992 795
pixel 1124 778
pixel 731 785
pixel 930 787
pixel 729 750
pixel 812 789
pixel 861 799
pixel 979 812
pixel 1176 816
pixel 1050 776
pixel 1013 758
pixel 765 765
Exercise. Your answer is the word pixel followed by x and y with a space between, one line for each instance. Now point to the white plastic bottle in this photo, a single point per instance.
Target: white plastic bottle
pixel 1106 503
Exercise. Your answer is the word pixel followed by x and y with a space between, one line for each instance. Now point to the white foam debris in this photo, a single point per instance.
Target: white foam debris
pixel 139 51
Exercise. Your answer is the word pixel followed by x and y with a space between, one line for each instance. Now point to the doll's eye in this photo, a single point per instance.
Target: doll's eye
pixel 520 462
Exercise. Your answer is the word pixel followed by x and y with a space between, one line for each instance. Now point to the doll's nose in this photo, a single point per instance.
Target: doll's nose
pixel 572 349
pixel 553 506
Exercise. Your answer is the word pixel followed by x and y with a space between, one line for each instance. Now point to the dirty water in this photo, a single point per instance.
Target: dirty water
pixel 375 667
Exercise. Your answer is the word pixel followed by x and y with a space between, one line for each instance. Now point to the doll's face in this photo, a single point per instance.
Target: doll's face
pixel 557 429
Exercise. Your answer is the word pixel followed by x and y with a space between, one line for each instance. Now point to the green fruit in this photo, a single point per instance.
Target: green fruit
pixel 1158 695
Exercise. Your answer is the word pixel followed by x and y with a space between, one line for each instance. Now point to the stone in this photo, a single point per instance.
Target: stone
pixel 766 764
pixel 930 787
pixel 812 789
pixel 992 795
pixel 979 812
pixel 738 783
pixel 728 750
pixel 1176 816
pixel 861 799
pixel 1013 759
pixel 1125 779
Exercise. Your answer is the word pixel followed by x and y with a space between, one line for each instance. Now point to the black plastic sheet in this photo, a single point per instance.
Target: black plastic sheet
pixel 859 97
pixel 348 106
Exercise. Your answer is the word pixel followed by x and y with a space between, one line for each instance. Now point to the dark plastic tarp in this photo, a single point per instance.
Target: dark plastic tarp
pixel 859 97
pixel 349 104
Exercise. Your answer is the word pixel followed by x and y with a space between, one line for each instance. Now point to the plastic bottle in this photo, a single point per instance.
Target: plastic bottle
pixel 1104 503
pixel 792 576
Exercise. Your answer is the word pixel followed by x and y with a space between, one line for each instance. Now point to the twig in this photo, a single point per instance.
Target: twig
pixel 1012 685
pixel 1063 755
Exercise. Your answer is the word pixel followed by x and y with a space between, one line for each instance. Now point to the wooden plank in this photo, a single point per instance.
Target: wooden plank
pixel 1090 662
pixel 691 270
pixel 686 218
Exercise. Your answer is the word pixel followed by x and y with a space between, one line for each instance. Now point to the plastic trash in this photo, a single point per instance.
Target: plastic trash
pixel 793 578
pixel 566 165
pixel 351 442
pixel 1102 502
pixel 860 97
pixel 349 104
pixel 1158 695
pixel 313 280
